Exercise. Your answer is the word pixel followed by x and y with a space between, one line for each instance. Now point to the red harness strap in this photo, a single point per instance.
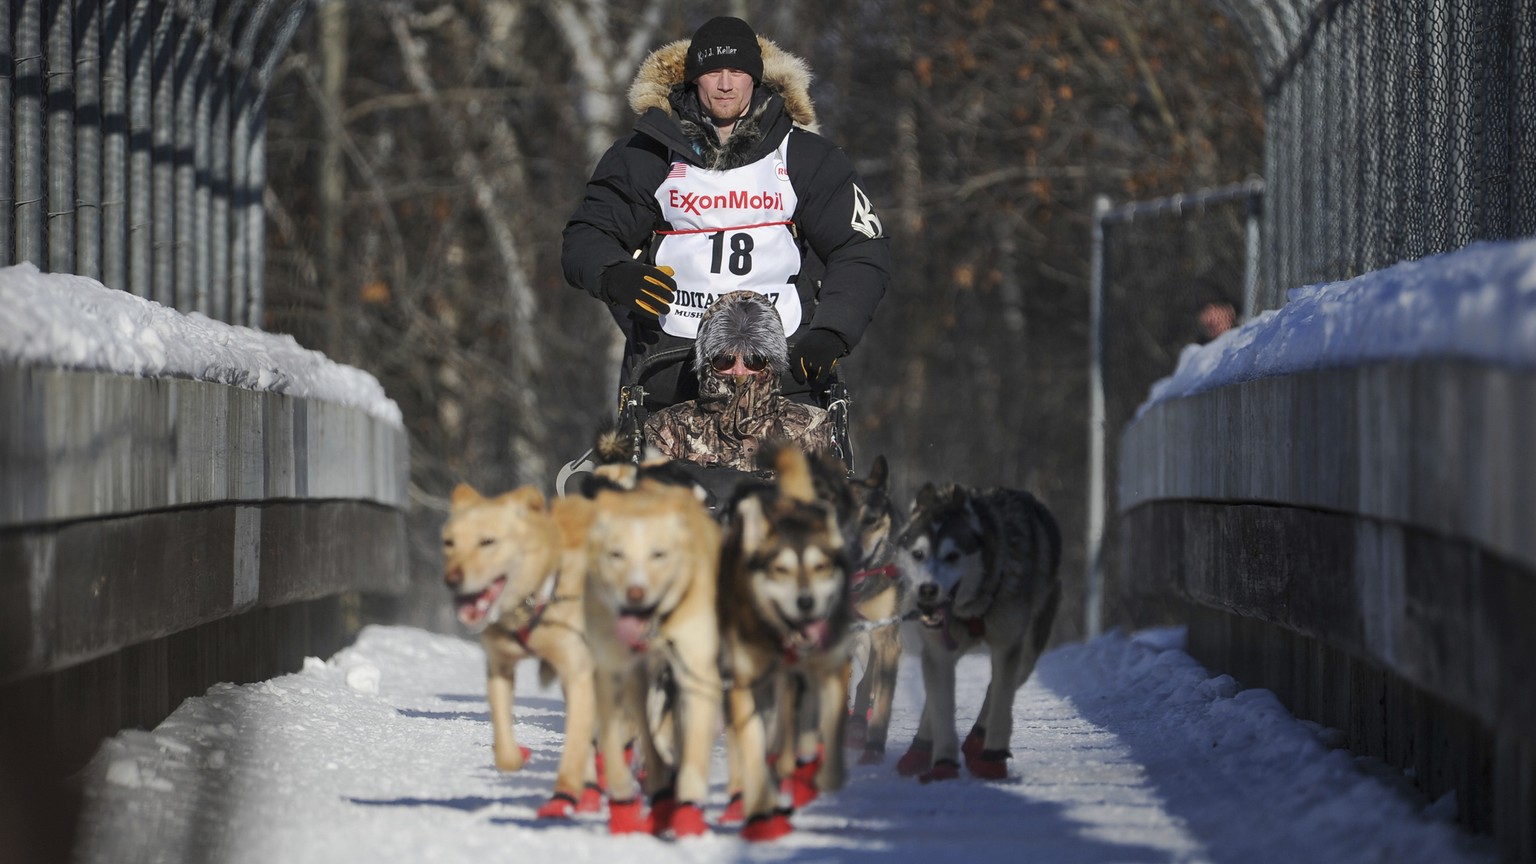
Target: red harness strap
pixel 522 633
pixel 886 572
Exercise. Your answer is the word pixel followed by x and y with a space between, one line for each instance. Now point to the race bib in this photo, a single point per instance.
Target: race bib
pixel 730 232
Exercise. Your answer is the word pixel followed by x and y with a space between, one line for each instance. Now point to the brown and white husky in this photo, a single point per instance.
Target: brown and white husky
pixel 784 615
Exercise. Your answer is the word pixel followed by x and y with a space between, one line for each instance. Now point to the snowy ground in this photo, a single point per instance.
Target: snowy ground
pixel 1125 750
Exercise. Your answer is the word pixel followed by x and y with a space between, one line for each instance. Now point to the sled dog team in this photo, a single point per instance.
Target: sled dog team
pixel 665 623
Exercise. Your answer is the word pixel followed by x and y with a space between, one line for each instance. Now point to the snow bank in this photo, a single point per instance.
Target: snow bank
pixel 64 321
pixel 1477 303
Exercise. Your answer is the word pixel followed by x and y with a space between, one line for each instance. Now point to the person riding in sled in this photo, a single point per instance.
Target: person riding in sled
pixel 739 357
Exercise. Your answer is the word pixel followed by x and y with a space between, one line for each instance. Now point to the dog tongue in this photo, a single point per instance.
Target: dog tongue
pixel 632 630
pixel 816 633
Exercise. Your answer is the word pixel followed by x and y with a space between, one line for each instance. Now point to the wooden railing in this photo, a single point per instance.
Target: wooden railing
pixel 1361 541
pixel 160 535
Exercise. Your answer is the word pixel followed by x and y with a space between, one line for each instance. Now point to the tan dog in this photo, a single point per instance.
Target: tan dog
pixel 650 607
pixel 518 571
pixel 784 618
pixel 982 564
pixel 878 599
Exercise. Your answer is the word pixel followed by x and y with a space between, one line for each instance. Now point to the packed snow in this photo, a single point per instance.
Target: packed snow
pixel 1477 303
pixel 1125 749
pixel 62 321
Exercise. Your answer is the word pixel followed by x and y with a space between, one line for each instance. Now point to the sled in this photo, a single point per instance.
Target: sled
pixel 634 407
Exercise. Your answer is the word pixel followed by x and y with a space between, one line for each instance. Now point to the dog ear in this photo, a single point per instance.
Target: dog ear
pixel 465 495
pixel 752 523
pixel 529 497
pixel 926 497
pixel 879 473
pixel 794 471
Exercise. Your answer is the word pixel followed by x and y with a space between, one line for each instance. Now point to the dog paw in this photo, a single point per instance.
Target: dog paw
pixel 855 733
pixel 513 760
pixel 663 806
pixel 591 799
pixel 769 826
pixel 628 817
pixel 989 764
pixel 559 806
pixel 917 758
pixel 734 811
pixel 872 756
pixel 688 821
pixel 801 785
pixel 974 743
pixel 944 769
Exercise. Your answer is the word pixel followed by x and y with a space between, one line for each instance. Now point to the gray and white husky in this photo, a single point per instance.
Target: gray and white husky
pixel 981 567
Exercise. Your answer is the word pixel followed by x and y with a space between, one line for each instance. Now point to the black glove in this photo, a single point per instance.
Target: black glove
pixel 812 358
pixel 641 288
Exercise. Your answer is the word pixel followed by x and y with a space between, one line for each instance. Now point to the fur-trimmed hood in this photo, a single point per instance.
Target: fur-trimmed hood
pixel 783 73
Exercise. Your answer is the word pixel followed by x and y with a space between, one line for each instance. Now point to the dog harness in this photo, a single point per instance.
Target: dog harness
pixel 537 603
pixel 886 572
pixel 729 231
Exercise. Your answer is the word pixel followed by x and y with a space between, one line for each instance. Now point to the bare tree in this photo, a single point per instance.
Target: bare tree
pixel 461 136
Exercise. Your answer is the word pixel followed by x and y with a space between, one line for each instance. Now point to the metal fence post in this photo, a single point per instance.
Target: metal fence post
pixel 1251 220
pixel 7 143
pixel 1094 599
pixel 27 114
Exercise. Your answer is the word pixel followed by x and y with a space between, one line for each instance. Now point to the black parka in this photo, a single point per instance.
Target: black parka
pixel 844 270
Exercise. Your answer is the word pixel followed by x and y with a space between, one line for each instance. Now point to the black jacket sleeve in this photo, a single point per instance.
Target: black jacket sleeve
pixel 617 213
pixel 843 229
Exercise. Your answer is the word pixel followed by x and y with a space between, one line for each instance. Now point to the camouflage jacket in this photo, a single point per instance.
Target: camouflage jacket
pixel 732 418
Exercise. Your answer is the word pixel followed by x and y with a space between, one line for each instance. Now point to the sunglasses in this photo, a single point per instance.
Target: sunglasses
pixel 725 362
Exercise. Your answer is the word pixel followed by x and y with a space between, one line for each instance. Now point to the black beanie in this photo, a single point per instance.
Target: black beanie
pixel 723 43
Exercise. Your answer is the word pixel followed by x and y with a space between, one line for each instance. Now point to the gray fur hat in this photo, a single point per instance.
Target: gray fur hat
pixel 741 322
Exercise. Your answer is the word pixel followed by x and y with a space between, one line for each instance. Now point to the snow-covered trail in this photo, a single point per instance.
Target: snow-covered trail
pixel 1125 750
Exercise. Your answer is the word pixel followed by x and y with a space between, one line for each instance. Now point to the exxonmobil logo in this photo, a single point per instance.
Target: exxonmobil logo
pixel 740 199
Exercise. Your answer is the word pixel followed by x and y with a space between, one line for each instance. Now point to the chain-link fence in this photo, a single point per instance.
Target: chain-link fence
pixel 133 151
pixel 1167 274
pixel 1395 129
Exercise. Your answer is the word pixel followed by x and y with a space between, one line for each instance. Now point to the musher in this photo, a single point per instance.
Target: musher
pixel 724 185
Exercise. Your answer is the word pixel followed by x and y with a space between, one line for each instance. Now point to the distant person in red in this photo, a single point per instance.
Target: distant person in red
pixel 1216 318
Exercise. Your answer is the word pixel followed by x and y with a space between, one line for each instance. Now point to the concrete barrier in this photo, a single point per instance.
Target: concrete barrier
pixel 1362 541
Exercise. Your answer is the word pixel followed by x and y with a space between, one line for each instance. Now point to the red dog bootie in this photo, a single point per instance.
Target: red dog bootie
pixel 688 821
pixel 663 805
pixel 628 817
pixel 772 826
pixel 917 758
pixel 974 743
pixel 735 811
pixel 802 783
pixel 989 764
pixel 559 806
pixel 944 769
pixel 591 799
